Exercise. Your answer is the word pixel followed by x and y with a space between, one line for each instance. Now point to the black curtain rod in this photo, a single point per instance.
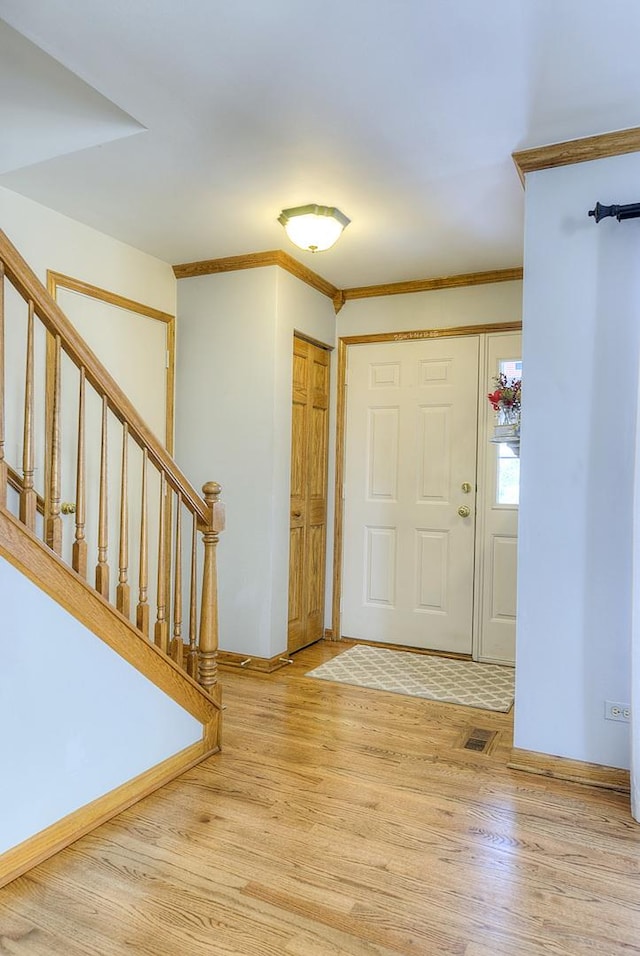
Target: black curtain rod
pixel 630 211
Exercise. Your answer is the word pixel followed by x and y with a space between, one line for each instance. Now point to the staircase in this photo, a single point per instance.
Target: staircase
pixel 68 424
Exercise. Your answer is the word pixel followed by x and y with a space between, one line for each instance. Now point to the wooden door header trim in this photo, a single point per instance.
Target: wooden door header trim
pixel 56 280
pixel 577 151
pixel 309 338
pixel 430 333
pixel 276 257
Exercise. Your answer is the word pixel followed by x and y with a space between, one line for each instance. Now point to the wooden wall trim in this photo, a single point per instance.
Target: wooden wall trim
pixel 338 519
pixel 418 334
pixel 59 835
pixel 207 267
pixel 54 320
pixel 276 257
pixel 343 343
pixel 577 151
pixel 56 280
pixel 563 768
pixel 257 260
pixel 431 285
pixel 302 272
pixel 249 662
pixel 45 569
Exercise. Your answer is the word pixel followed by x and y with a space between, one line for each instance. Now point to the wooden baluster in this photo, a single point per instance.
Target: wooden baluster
pixel 192 657
pixel 123 591
pixel 208 649
pixel 142 610
pixel 53 524
pixel 3 464
pixel 168 555
pixel 102 567
pixel 79 550
pixel 177 647
pixel 28 497
pixel 161 630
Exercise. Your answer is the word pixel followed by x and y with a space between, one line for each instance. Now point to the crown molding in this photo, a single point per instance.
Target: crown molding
pixel 207 267
pixel 430 285
pixel 276 257
pixel 301 271
pixel 256 260
pixel 577 151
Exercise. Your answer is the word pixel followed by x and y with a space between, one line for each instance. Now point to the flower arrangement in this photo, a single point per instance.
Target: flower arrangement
pixel 505 401
pixel 507 394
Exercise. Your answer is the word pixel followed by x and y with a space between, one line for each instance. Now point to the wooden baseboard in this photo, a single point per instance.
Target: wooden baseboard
pixel 249 662
pixel 59 835
pixel 328 636
pixel 563 768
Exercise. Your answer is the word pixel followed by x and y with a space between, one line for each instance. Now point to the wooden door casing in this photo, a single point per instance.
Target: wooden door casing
pixel 308 513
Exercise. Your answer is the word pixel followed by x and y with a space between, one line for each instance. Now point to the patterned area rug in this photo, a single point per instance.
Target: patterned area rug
pixel 488 686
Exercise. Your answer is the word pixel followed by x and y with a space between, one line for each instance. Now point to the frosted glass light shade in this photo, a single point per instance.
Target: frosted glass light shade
pixel 313 228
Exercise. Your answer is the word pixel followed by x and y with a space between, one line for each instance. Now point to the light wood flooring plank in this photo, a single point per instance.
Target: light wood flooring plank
pixel 340 821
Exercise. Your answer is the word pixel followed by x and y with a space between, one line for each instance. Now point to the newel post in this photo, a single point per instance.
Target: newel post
pixel 208 646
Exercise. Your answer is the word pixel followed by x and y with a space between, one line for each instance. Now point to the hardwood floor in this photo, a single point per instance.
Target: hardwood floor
pixel 340 821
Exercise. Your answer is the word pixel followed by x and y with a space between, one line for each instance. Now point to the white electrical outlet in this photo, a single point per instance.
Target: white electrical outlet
pixel 616 711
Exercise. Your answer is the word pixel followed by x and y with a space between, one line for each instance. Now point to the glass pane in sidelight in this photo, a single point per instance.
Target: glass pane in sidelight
pixel 508 463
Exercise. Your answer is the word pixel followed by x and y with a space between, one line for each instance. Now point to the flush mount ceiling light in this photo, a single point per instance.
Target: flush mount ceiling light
pixel 313 228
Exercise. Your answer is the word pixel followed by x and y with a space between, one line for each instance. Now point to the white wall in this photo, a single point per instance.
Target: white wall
pixel 233 425
pixel 224 432
pixel 48 240
pixel 635 639
pixel 77 720
pixel 580 351
pixel 444 308
pixel 71 738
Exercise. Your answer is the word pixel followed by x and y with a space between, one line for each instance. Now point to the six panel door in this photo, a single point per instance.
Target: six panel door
pixel 308 522
pixel 410 472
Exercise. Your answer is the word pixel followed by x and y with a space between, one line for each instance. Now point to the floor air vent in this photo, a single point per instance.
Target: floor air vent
pixel 478 740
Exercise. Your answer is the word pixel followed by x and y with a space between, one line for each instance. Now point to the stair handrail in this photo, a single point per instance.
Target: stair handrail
pixel 207 514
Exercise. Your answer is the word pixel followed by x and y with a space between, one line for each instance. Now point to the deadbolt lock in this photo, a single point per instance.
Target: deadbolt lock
pixel 464 511
pixel 467 487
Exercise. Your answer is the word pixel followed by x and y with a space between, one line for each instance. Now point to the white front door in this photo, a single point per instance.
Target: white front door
pixel 410 476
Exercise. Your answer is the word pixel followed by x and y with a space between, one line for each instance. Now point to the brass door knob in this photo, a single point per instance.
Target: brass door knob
pixel 68 508
pixel 463 511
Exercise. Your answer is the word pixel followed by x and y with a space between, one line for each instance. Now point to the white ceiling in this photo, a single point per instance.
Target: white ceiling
pixel 404 113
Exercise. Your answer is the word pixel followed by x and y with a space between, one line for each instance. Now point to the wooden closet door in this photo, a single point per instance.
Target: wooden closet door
pixel 308 522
